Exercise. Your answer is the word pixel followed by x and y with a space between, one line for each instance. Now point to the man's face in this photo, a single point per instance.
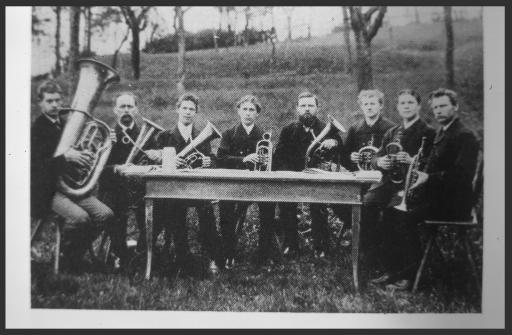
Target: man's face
pixel 307 109
pixel 247 112
pixel 370 106
pixel 186 112
pixel 443 109
pixel 407 107
pixel 50 104
pixel 125 109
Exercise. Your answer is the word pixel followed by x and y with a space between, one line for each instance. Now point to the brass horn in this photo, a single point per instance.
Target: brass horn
pixel 366 155
pixel 146 132
pixel 194 157
pixel 264 150
pixel 397 172
pixel 314 146
pixel 85 133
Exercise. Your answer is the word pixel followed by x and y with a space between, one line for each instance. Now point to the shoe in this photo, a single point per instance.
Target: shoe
pixel 400 285
pixel 213 269
pixel 230 263
pixel 380 280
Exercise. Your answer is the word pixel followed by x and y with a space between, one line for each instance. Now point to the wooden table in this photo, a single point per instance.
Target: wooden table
pixel 242 185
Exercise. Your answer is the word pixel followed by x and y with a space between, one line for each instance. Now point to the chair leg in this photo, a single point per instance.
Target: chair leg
pixel 37 229
pixel 57 248
pixel 423 261
pixel 472 264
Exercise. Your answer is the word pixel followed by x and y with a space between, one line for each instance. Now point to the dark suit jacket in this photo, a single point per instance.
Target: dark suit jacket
pixel 235 145
pixel 451 168
pixel 293 143
pixel 358 136
pixel 44 168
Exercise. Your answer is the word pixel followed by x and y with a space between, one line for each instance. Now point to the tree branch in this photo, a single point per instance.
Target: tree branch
pixel 369 13
pixel 374 27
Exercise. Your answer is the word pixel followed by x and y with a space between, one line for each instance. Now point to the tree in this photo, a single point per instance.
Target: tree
pixel 248 15
pixel 289 11
pixel 450 76
pixel 365 30
pixel 74 42
pixel 57 70
pixel 180 30
pixel 136 20
pixel 37 22
pixel 346 31
pixel 102 18
pixel 87 13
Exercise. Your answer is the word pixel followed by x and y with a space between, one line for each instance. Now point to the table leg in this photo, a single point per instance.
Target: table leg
pixel 356 218
pixel 149 235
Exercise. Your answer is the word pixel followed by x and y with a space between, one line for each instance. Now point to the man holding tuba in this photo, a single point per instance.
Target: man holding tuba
pixel 291 149
pixel 237 150
pixel 176 210
pixel 83 216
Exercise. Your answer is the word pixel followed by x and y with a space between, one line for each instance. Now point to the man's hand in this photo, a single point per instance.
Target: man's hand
pixel 121 169
pixel 252 158
pixel 384 162
pixel 113 136
pixel 328 144
pixel 180 162
pixel 154 155
pixel 355 157
pixel 207 162
pixel 82 158
pixel 403 157
pixel 421 179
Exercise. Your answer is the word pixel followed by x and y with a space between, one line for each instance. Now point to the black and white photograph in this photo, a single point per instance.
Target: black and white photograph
pixel 291 162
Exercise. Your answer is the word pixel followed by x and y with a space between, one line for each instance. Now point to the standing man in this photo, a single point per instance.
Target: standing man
pixel 289 155
pixel 84 217
pixel 176 210
pixel 238 151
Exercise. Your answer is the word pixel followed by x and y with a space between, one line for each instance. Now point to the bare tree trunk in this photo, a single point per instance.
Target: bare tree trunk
pixel 116 52
pixel 416 15
pixel 364 63
pixel 289 22
pixel 450 76
pixel 74 33
pixel 89 32
pixel 180 86
pixel 346 31
pixel 135 52
pixel 58 68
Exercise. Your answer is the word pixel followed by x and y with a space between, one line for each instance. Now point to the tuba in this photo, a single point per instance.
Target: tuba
pixel 396 174
pixel 194 157
pixel 146 132
pixel 264 150
pixel 85 133
pixel 314 146
pixel 411 177
pixel 366 155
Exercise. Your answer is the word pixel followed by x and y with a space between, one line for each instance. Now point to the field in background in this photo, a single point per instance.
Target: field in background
pixel 414 58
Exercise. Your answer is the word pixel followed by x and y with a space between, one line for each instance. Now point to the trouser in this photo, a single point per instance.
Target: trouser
pixel 319 228
pixel 229 217
pixel 83 219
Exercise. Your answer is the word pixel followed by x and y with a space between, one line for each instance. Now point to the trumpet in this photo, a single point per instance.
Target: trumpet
pixel 314 146
pixel 264 149
pixel 366 155
pixel 193 157
pixel 147 131
pixel 411 177
pixel 396 174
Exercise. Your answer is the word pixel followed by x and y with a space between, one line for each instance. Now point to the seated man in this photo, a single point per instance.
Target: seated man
pixel 176 210
pixel 238 151
pixel 84 216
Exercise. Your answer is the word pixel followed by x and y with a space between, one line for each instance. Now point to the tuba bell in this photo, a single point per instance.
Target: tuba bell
pixel 194 157
pixel 147 131
pixel 314 146
pixel 85 133
pixel 264 150
pixel 366 155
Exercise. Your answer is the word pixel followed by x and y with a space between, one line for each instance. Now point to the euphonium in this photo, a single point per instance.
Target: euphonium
pixel 146 132
pixel 366 155
pixel 411 177
pixel 194 157
pixel 85 133
pixel 264 150
pixel 396 174
pixel 314 146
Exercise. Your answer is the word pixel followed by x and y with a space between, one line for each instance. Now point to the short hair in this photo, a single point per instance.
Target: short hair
pixel 371 93
pixel 441 92
pixel 307 94
pixel 131 94
pixel 412 92
pixel 48 86
pixel 188 97
pixel 249 98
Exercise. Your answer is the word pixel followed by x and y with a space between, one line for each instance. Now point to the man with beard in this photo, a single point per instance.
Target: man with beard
pixel 289 155
pixel 119 191
pixel 83 216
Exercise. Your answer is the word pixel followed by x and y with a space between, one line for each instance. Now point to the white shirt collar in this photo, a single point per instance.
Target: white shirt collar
pixel 185 131
pixel 248 129
pixel 407 124
pixel 52 120
pixel 445 128
pixel 125 128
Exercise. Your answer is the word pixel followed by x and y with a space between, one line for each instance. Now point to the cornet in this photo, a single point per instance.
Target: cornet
pixel 366 155
pixel 264 150
pixel 193 157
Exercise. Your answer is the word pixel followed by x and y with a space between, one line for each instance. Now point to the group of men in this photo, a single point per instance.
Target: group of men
pixel 448 158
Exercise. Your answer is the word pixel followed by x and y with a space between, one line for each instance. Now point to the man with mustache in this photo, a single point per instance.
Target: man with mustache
pixel 83 216
pixel 289 155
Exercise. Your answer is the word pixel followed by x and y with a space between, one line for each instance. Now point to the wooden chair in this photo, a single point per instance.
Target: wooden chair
pixel 56 220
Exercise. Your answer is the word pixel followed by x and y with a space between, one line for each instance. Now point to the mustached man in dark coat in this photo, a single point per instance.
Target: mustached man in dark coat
pixel 176 210
pixel 289 155
pixel 237 150
pixel 83 216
